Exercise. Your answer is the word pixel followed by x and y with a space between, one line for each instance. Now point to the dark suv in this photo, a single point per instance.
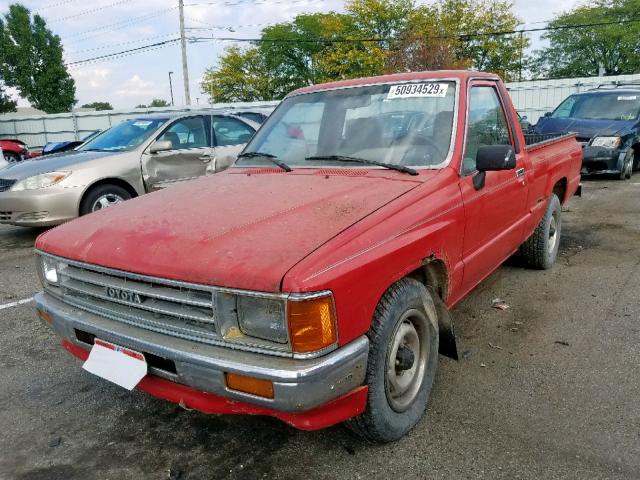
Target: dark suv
pixel 606 121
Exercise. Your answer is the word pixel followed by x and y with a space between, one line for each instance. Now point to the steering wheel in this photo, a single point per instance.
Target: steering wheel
pixel 423 141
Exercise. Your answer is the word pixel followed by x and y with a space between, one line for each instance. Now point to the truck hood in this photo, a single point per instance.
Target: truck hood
pixel 231 229
pixel 51 163
pixel 584 128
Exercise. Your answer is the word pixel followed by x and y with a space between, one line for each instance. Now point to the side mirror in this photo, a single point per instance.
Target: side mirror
pixel 491 158
pixel 524 117
pixel 547 114
pixel 160 146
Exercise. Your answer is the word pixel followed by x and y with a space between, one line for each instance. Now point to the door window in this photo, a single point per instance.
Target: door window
pixel 486 125
pixel 186 133
pixel 231 131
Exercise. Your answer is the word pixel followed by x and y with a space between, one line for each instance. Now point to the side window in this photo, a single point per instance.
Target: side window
pixel 231 131
pixel 186 133
pixel 565 108
pixel 486 124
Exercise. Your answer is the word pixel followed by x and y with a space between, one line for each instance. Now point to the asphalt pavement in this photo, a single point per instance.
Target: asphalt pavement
pixel 546 389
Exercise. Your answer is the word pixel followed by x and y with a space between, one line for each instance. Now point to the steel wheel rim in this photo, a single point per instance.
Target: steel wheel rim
pixel 553 233
pixel 403 386
pixel 105 201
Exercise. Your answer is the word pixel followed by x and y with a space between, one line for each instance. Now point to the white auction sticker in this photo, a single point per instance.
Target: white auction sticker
pixel 408 90
pixel 119 365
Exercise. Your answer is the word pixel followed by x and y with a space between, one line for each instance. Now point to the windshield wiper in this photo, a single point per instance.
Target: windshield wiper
pixel 272 158
pixel 343 158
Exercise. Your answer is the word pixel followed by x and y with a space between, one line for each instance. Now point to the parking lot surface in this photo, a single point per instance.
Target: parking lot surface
pixel 545 389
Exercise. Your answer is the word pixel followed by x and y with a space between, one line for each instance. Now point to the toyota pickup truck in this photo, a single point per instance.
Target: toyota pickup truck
pixel 312 281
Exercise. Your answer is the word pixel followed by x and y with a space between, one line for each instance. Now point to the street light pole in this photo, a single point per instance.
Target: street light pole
pixel 171 87
pixel 183 45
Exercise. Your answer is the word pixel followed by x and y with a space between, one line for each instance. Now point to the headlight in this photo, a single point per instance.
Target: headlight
pixel 607 142
pixel 262 318
pixel 307 322
pixel 40 181
pixel 49 270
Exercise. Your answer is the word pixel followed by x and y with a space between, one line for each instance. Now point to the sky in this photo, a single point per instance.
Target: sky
pixel 89 29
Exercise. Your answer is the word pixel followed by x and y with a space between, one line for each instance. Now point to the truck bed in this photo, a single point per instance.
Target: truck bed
pixel 535 139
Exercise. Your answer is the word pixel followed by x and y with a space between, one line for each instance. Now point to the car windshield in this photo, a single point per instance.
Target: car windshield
pixel 125 136
pixel 407 124
pixel 600 106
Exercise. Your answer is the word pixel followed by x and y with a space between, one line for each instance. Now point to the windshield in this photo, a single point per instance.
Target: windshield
pixel 125 136
pixel 408 124
pixel 607 106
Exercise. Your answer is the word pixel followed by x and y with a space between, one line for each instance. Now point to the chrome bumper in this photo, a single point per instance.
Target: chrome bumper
pixel 298 385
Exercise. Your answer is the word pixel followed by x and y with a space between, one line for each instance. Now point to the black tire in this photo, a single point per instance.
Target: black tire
pixel 636 159
pixel 95 194
pixel 400 309
pixel 627 166
pixel 538 251
pixel 11 157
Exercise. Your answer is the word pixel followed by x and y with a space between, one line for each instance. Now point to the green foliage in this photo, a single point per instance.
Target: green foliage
pixel 7 104
pixel 31 60
pixel 577 52
pixel 372 37
pixel 159 102
pixel 98 106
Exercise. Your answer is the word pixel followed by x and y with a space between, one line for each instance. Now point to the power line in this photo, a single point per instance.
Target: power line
pixel 131 51
pixel 86 12
pixel 120 44
pixel 57 4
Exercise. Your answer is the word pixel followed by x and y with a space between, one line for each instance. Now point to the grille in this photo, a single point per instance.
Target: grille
pixel 177 310
pixel 6 184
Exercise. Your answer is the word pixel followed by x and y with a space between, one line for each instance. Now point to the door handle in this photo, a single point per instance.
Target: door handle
pixel 520 172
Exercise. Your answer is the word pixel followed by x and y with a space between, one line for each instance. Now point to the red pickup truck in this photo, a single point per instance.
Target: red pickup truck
pixel 312 280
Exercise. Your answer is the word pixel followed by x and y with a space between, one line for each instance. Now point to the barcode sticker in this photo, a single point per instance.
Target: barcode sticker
pixel 408 90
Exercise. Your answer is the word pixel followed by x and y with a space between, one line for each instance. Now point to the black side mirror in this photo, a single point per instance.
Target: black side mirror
pixel 491 158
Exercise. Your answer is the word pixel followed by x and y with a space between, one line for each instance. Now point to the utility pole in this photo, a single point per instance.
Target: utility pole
pixel 183 43
pixel 171 87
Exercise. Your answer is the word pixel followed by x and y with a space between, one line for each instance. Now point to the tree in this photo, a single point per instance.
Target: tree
pixel 159 102
pixel 31 60
pixel 582 51
pixel 7 104
pixel 98 106
pixel 241 77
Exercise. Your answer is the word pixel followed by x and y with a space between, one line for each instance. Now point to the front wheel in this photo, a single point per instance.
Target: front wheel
pixel 541 248
pixel 101 197
pixel 403 359
pixel 11 157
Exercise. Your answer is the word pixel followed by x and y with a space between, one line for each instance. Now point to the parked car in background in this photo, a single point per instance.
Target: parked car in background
pixel 59 147
pixel 14 150
pixel 257 115
pixel 3 161
pixel 135 157
pixel 606 121
pixel 312 280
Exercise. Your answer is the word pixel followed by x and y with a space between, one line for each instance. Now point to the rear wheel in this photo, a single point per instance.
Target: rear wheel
pixel 11 157
pixel 403 358
pixel 541 248
pixel 101 197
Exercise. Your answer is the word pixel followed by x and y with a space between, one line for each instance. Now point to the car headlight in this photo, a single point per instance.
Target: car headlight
pixel 49 270
pixel 306 322
pixel 43 180
pixel 607 142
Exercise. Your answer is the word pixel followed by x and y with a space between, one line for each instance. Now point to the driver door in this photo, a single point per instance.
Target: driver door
pixel 190 153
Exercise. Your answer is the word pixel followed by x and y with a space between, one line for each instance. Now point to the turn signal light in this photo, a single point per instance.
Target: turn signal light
pixel 312 324
pixel 44 316
pixel 254 386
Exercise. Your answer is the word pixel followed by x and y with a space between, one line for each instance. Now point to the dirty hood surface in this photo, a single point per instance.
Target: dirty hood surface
pixel 230 229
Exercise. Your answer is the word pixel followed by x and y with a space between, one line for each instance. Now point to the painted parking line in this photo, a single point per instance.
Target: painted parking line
pixel 15 304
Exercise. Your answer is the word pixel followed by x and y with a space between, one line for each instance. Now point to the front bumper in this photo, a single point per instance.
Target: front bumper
pixel 43 207
pixel 602 160
pixel 299 385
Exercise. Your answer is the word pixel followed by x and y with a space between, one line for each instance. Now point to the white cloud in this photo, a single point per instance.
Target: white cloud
pixel 136 86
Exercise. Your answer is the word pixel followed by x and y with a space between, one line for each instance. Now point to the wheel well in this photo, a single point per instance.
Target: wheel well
pixel 433 273
pixel 110 181
pixel 560 189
